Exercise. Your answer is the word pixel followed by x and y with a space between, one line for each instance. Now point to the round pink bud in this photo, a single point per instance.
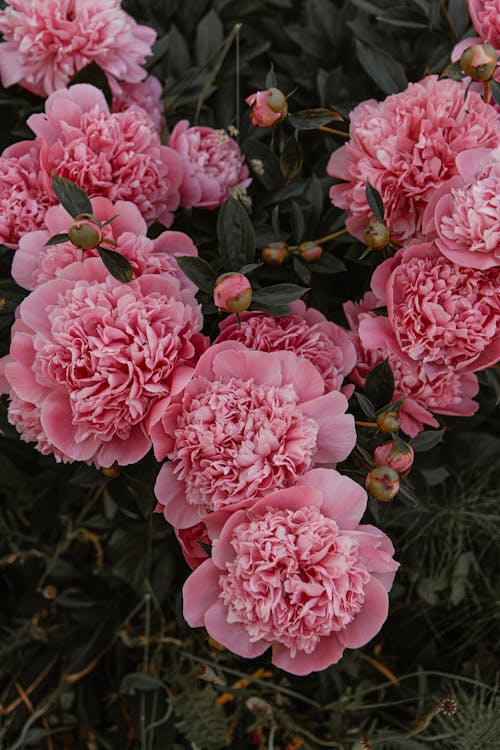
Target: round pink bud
pixel 382 483
pixel 233 292
pixel 376 235
pixel 275 253
pixel 268 107
pixel 390 454
pixel 85 232
pixel 389 421
pixel 310 251
pixel 479 62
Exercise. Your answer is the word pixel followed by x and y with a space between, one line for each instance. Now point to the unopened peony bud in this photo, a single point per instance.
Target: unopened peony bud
pixel 85 232
pixel 233 292
pixel 479 62
pixel 389 421
pixel 376 235
pixel 275 253
pixel 390 454
pixel 382 483
pixel 268 107
pixel 310 251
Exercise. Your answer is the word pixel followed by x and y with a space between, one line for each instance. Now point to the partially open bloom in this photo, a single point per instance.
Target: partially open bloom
pixel 144 95
pixel 479 61
pixel 296 572
pixel 485 15
pixel 268 107
pixel 212 165
pixel 46 42
pixel 390 454
pixel 115 155
pixel 247 423
pixel 24 195
pixel 406 147
pixel 463 215
pixel 310 251
pixel 233 292
pixel 192 541
pixel 94 355
pixel 306 332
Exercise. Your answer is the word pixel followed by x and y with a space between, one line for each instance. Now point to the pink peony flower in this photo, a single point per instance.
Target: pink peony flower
pixel 390 454
pixel 268 107
pixel 233 292
pixel 296 572
pixel 46 42
pixel 190 539
pixel 306 332
pixel 247 423
pixel 442 316
pixel 213 164
pixel 485 15
pixel 118 156
pixel 94 355
pixel 405 147
pixel 34 264
pixel 24 197
pixel 26 418
pixel 144 95
pixel 445 393
pixel 463 215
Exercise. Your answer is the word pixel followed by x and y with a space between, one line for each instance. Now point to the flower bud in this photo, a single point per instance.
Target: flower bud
pixel 382 483
pixel 376 235
pixel 310 251
pixel 85 232
pixel 390 454
pixel 233 292
pixel 479 62
pixel 275 253
pixel 268 107
pixel 389 421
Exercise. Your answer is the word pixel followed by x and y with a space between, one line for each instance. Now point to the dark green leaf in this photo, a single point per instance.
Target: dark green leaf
pixel 453 71
pixel 310 119
pixel 366 406
pixel 379 385
pixel 271 81
pixel 210 80
pixel 117 264
pixel 249 268
pixel 136 681
pixel 495 90
pixel 328 263
pixel 278 294
pixel 426 440
pixel 404 17
pixel 382 68
pixel 57 239
pixel 95 75
pixel 375 201
pixel 209 37
pixel 291 158
pixel 302 270
pixel 199 271
pixel 109 221
pixel 71 197
pixel 236 236
pixel 400 443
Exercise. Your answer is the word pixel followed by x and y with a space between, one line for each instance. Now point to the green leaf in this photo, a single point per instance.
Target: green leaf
pixel 276 296
pixel 117 264
pixel 236 236
pixel 71 196
pixel 249 267
pixel 109 221
pixel 198 271
pixel 209 37
pixel 366 406
pixel 95 75
pixel 310 119
pixel 382 68
pixel 291 158
pixel 137 681
pixel 404 17
pixel 375 201
pixel 379 385
pixel 57 239
pixel 327 264
pixel 453 71
pixel 271 81
pixel 210 80
pixel 426 440
pixel 495 90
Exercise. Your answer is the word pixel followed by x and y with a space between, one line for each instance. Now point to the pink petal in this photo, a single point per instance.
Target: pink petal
pixel 328 651
pixel 232 635
pixel 343 499
pixel 371 618
pixel 200 592
pixel 172 495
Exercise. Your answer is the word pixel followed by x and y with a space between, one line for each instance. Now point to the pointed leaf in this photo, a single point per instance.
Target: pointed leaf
pixel 236 236
pixel 291 158
pixel 198 271
pixel 426 440
pixel 379 385
pixel 95 75
pixel 278 294
pixel 375 201
pixel 366 405
pixel 109 221
pixel 57 239
pixel 310 119
pixel 271 81
pixel 495 90
pixel 117 264
pixel 453 71
pixel 71 196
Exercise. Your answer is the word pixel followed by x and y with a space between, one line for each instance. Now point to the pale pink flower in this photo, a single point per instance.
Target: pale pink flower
pixel 296 572
pixel 443 316
pixel 189 539
pixel 306 332
pixel 446 393
pixel 118 156
pixel 212 162
pixel 94 355
pixel 46 42
pixel 268 107
pixel 144 95
pixel 406 147
pixel 390 454
pixel 247 423
pixel 463 215
pixel 232 292
pixel 34 264
pixel 26 418
pixel 485 15
pixel 24 196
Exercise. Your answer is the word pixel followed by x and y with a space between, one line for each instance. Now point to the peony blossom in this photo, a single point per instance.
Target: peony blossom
pixel 94 355
pixel 485 15
pixel 246 423
pixel 424 394
pixel 46 42
pixel 296 572
pixel 406 147
pixel 268 107
pixel 212 165
pixel 443 316
pixel 390 454
pixel 232 292
pixel 306 332
pixel 24 196
pixel 34 263
pixel 463 215
pixel 118 156
pixel 189 539
pixel 145 95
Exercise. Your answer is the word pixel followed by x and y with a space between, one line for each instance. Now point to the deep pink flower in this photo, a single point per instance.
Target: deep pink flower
pixel 190 539
pixel 213 165
pixel 296 572
pixel 443 316
pixel 406 147
pixel 390 454
pixel 46 42
pixel 118 156
pixel 94 355
pixel 463 215
pixel 247 423
pixel 445 393
pixel 24 197
pixel 268 107
pixel 34 264
pixel 306 332
pixel 145 95
pixel 485 15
